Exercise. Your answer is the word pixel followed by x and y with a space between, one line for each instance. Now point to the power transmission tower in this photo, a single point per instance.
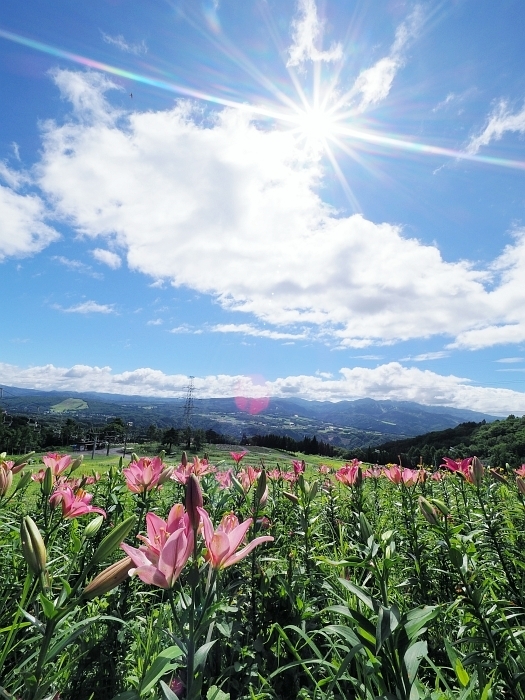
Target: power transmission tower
pixel 188 412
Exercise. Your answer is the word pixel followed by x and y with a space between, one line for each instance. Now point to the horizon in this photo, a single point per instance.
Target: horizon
pixel 298 200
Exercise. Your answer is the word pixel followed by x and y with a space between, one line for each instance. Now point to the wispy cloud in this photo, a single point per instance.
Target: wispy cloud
pixel 248 329
pixel 76 266
pixel 510 360
pixel 500 121
pixel 184 328
pixel 373 84
pixel 88 307
pixel 427 356
pixel 307 34
pixel 106 257
pixel 138 49
pixel 155 322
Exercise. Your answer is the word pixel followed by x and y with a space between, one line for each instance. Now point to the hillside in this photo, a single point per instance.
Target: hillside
pixel 346 424
pixel 497 443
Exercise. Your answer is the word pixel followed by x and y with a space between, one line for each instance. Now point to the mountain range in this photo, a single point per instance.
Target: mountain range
pixel 349 424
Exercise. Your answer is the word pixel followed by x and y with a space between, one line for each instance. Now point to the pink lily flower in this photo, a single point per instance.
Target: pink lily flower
pixel 298 466
pixel 410 477
pixel 237 456
pixel 74 503
pixel 222 544
pixel 521 470
pixel 247 477
pixel 166 549
pixel 290 476
pixel 199 467
pixel 349 475
pixel 224 479
pixel 9 466
pixel 57 463
pixel 274 475
pixel 143 475
pixel 393 473
pixel 373 472
pixel 324 469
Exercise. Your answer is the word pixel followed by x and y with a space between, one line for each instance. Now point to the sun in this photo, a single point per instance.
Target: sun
pixel 316 125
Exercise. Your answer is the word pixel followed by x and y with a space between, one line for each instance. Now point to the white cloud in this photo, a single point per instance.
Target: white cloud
pixel 88 307
pixel 138 49
pixel 373 84
pixel 106 257
pixel 155 322
pixel 388 381
pixel 248 329
pixel 307 33
pixel 230 210
pixel 499 123
pixel 438 355
pixel 77 266
pixel 510 360
pixel 22 230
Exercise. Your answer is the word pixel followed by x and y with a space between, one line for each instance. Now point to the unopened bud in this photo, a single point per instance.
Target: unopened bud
pixel 184 459
pixel 6 479
pixel 75 464
pixel 162 454
pixel 93 527
pixel 520 483
pixel 108 579
pixel 290 496
pixel 134 457
pixel 194 500
pixel 499 477
pixel 22 461
pixel 261 494
pixel 33 547
pixel 47 484
pixel 443 509
pixel 477 471
pixel 112 541
pixel 428 511
pixel 25 478
pixel 165 475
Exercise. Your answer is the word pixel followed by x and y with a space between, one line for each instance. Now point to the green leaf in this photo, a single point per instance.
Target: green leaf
pixel 215 693
pixel 417 618
pixel 202 654
pixel 48 606
pixel 165 661
pixel 168 692
pixel 462 675
pixel 487 692
pixel 359 592
pixel 413 657
pixel 387 621
pixel 128 695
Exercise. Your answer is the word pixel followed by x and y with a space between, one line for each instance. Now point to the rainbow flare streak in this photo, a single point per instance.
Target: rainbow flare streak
pixel 370 137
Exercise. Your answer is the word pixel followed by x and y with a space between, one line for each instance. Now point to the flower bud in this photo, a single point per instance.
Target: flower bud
pixel 134 457
pixel 261 494
pixel 47 483
pixel 290 496
pixel 499 477
pixel 184 459
pixel 25 478
pixel 162 454
pixel 22 461
pixel 108 579
pixel 520 483
pixel 93 527
pixel 75 464
pixel 194 500
pixel 477 471
pixel 112 541
pixel 428 511
pixel 165 475
pixel 6 479
pixel 33 547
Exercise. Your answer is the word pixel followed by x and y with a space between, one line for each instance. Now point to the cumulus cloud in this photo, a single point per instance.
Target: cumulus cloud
pixel 501 121
pixel 233 211
pixel 23 231
pixel 388 381
pixel 107 257
pixel 138 49
pixel 88 307
pixel 307 31
pixel 373 84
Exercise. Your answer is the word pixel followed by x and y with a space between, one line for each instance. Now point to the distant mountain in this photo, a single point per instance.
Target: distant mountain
pixel 351 424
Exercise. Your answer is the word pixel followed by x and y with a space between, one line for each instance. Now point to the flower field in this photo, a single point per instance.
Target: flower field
pixel 242 580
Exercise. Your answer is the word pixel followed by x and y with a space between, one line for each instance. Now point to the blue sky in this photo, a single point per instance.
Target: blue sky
pixel 314 199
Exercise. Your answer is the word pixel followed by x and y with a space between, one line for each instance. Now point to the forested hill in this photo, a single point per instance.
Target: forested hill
pixel 497 443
